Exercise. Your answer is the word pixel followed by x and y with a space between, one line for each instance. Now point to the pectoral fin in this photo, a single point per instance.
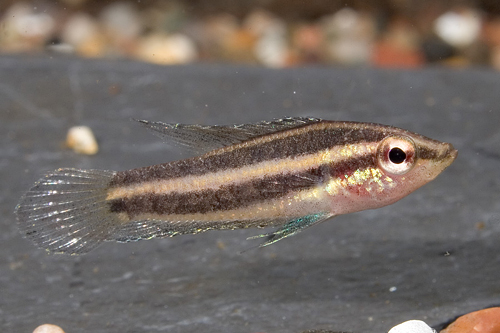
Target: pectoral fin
pixel 292 227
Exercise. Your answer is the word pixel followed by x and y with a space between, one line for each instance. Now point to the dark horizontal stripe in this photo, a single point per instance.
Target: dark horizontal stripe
pixel 310 139
pixel 235 196
pixel 434 154
pixel 427 154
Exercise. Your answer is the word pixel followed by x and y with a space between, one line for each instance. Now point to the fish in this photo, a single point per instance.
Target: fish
pixel 289 173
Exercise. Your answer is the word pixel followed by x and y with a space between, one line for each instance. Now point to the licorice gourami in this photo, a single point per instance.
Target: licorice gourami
pixel 289 173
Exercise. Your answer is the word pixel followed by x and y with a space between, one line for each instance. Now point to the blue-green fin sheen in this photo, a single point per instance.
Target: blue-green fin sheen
pixel 293 227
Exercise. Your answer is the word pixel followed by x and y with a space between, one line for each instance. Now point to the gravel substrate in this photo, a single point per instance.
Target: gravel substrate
pixel 272 33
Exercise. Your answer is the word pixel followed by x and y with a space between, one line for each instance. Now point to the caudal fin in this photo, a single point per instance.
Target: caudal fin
pixel 66 211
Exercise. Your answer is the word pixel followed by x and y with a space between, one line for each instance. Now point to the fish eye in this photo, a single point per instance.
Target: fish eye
pixel 397 155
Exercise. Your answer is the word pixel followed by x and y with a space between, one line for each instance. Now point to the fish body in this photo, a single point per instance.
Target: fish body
pixel 289 173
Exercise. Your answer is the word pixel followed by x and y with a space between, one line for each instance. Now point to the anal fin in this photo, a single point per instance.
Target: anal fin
pixel 292 227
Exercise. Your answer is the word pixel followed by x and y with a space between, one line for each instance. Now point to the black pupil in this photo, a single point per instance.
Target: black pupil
pixel 397 156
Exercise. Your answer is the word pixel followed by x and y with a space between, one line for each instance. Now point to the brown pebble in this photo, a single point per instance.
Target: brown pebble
pixel 483 321
pixel 48 328
pixel 386 54
pixel 399 46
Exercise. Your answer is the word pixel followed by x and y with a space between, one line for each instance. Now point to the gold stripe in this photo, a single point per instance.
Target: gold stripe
pixel 243 174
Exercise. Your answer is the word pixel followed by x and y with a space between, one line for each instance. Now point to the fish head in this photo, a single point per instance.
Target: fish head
pixel 408 161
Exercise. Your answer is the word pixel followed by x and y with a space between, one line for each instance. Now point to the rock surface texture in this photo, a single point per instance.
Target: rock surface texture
pixel 432 256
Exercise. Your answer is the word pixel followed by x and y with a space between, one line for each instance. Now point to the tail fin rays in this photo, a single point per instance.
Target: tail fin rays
pixel 66 211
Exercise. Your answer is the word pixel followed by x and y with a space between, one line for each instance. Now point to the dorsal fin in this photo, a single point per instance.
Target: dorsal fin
pixel 202 139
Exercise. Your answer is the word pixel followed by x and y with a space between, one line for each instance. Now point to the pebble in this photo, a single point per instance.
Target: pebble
pixel 491 35
pixel 121 20
pixel 308 41
pixel 81 139
pixel 459 29
pixel 491 31
pixel 412 326
pixel 483 321
pixel 271 48
pixel 166 49
pixel 239 45
pixel 495 57
pixel 174 33
pixel 350 37
pixel 31 24
pixel 83 33
pixel 24 29
pixel 399 47
pixel 388 55
pixel 48 328
pixel 216 30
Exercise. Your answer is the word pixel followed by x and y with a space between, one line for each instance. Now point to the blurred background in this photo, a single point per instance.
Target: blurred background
pixel 434 256
pixel 271 33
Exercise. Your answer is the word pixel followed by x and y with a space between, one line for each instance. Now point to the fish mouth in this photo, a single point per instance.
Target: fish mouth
pixel 448 154
pixel 451 151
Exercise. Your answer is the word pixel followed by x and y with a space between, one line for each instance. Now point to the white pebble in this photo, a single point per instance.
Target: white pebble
pixel 271 48
pixel 458 29
pixel 48 328
pixel 79 29
pixel 167 49
pixel 412 326
pixel 345 20
pixel 121 20
pixel 82 140
pixel 350 36
pixel 23 20
pixel 30 23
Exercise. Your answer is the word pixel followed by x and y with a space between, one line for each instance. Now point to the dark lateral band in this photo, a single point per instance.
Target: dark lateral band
pixel 309 141
pixel 236 196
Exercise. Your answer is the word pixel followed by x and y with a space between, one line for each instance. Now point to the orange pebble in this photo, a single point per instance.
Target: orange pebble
pixel 483 321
